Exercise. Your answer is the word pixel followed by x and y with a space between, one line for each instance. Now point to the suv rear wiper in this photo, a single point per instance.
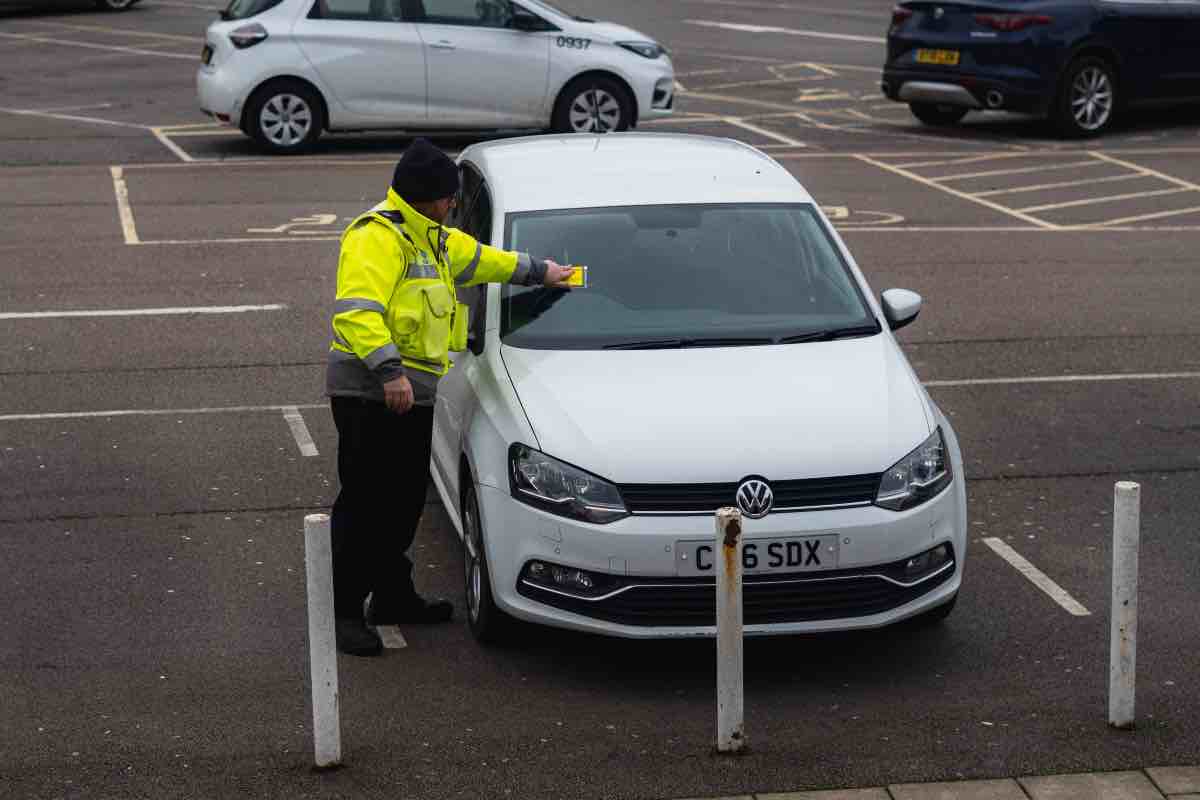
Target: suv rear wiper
pixel 671 344
pixel 831 334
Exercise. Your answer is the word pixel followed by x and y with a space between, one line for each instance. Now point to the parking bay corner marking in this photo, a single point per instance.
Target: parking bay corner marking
pixel 1037 577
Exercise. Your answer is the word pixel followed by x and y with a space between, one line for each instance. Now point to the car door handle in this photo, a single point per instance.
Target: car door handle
pixel 442 45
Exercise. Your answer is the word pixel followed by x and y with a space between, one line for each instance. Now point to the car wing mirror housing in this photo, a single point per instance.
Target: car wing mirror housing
pixel 900 306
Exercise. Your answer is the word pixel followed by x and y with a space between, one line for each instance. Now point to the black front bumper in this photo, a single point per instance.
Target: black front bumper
pixel 766 599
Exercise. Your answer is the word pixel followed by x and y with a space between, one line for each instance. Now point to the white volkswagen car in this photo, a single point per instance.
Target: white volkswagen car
pixel 725 350
pixel 286 70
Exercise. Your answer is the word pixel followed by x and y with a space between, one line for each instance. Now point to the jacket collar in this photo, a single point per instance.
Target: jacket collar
pixel 417 224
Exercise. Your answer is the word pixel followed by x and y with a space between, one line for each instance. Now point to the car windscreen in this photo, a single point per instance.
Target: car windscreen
pixel 241 9
pixel 683 275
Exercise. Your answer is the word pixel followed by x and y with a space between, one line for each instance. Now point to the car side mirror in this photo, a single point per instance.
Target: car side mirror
pixel 900 307
pixel 475 343
pixel 523 20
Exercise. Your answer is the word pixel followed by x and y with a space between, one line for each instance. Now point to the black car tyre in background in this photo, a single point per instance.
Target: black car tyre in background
pixel 1087 98
pixel 937 115
pixel 115 5
pixel 285 116
pixel 593 104
pixel 489 625
pixel 937 615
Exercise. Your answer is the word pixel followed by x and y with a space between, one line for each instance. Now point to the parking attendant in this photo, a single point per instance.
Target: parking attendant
pixel 725 350
pixel 284 71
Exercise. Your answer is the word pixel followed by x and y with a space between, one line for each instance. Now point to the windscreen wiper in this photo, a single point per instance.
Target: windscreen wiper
pixel 849 332
pixel 676 344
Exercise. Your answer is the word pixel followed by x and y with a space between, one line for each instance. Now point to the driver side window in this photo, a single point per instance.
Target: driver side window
pixel 476 13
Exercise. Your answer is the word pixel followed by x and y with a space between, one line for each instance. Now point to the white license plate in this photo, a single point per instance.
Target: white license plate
pixel 759 556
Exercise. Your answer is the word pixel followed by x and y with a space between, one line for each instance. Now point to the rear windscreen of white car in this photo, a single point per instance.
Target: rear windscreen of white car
pixel 687 274
pixel 241 9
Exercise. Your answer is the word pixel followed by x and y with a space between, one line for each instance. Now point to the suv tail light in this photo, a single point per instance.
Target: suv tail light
pixel 1012 22
pixel 900 15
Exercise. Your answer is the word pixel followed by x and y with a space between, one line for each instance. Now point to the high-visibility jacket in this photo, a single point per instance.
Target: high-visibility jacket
pixel 397 308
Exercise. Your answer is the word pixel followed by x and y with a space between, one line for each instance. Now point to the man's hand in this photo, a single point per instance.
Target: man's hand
pixel 398 394
pixel 557 275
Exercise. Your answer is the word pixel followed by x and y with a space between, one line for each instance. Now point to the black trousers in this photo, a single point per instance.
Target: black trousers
pixel 383 467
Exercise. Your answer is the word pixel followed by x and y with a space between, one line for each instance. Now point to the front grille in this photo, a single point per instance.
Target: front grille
pixel 766 599
pixel 705 498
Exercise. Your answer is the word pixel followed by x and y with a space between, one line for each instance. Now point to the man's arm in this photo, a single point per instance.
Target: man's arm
pixel 473 263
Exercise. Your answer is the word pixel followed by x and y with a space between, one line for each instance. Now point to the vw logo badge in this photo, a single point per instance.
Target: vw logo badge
pixel 755 498
pixel 939 12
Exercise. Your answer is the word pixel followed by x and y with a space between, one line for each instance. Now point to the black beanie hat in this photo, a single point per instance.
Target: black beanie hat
pixel 424 173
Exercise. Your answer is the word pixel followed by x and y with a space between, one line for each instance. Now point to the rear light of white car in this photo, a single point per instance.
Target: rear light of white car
pixel 247 35
pixel 552 485
pixel 918 476
pixel 1012 22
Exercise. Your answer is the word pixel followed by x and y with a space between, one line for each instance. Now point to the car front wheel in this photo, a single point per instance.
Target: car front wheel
pixel 489 625
pixel 1087 98
pixel 593 105
pixel 285 117
pixel 937 115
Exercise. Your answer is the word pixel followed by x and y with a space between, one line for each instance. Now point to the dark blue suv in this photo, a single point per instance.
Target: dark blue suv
pixel 1078 62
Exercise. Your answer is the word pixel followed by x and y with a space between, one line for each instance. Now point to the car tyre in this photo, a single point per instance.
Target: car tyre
pixel 939 116
pixel 593 104
pixel 489 625
pixel 285 117
pixel 1087 98
pixel 115 5
pixel 937 615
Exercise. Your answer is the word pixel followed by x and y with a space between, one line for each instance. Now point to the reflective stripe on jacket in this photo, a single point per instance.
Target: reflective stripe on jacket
pixel 396 305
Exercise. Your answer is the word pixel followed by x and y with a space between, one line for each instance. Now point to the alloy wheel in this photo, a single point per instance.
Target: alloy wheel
pixel 1092 98
pixel 286 120
pixel 595 111
pixel 472 558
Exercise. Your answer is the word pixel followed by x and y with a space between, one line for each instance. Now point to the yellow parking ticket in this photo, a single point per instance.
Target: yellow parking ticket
pixel 578 279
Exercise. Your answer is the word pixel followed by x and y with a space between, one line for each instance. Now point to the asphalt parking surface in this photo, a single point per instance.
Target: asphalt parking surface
pixel 152 561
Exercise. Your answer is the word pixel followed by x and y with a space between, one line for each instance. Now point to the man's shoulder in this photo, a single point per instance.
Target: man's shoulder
pixel 373 226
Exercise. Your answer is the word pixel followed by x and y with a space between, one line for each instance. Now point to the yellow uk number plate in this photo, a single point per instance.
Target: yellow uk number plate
pixel 945 58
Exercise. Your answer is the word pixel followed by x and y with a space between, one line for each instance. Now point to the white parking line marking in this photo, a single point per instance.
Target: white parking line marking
pixel 1147 217
pixel 191 40
pixel 1112 198
pixel 1144 170
pixel 29 112
pixel 93 46
pixel 1037 577
pixel 963 195
pixel 304 440
pixel 779 137
pixel 956 161
pixel 124 210
pixel 1129 376
pixel 1062 184
pixel 244 240
pixel 170 145
pixel 141 312
pixel 734 26
pixel 152 412
pixel 1018 171
pixel 392 638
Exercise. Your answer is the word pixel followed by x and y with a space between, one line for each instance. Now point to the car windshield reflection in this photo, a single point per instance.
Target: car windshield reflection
pixel 662 277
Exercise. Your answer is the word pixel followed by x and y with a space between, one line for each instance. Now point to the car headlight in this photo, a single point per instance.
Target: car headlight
pixel 917 477
pixel 644 49
pixel 549 484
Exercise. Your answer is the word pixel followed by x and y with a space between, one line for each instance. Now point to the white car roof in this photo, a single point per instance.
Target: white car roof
pixel 537 173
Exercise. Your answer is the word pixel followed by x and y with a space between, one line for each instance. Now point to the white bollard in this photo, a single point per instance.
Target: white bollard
pixel 1123 640
pixel 731 736
pixel 322 643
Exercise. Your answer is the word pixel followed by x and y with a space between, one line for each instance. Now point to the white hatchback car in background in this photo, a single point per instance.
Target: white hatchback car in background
pixel 286 70
pixel 725 350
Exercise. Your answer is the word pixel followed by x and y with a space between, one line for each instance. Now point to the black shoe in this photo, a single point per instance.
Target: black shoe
pixel 416 610
pixel 354 638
